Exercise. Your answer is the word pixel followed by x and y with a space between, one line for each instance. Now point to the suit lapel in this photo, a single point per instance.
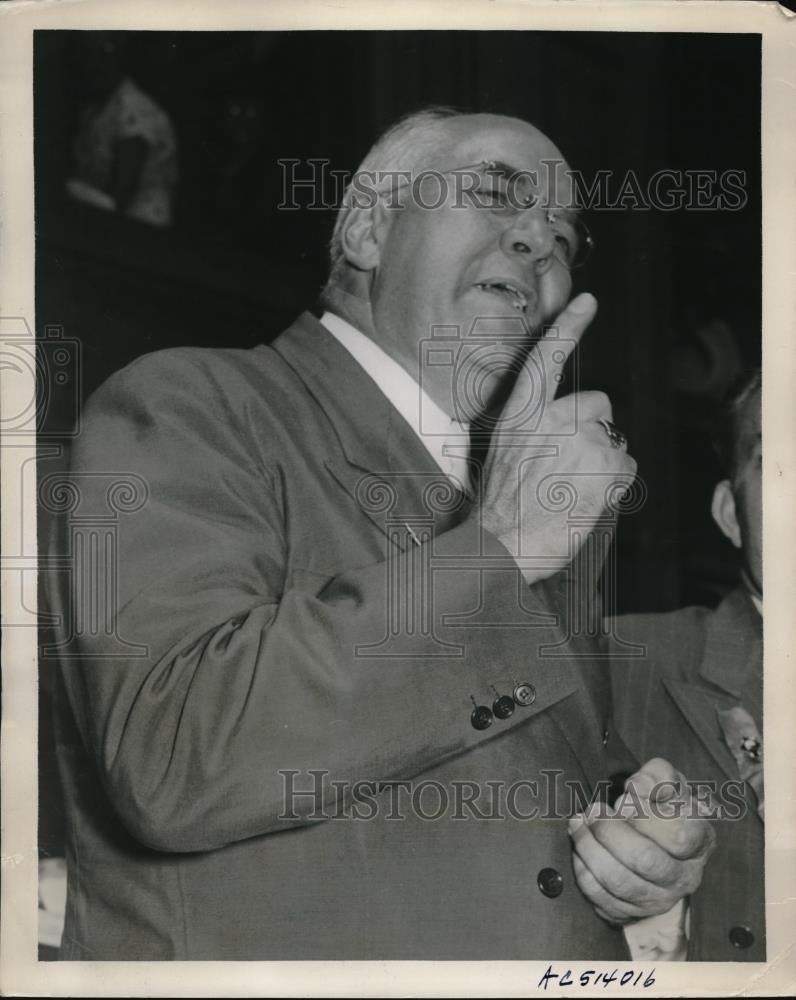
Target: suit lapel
pixel 731 668
pixel 381 464
pixel 698 704
pixel 733 658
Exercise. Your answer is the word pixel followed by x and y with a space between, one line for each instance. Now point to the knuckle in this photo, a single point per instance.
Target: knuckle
pixel 688 839
pixel 646 859
pixel 690 877
pixel 664 902
pixel 661 869
pixel 599 828
pixel 559 406
pixel 600 400
pixel 619 881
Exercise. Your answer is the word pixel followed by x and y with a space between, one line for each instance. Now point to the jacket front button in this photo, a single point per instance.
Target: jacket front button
pixel 525 695
pixel 481 717
pixel 550 882
pixel 741 937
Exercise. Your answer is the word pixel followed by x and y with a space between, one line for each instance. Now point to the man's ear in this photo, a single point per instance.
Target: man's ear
pixel 363 234
pixel 724 513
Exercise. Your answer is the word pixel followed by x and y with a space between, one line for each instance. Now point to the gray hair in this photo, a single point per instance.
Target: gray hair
pixel 406 145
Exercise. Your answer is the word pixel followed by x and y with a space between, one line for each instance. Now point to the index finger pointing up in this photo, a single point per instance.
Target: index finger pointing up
pixel 562 337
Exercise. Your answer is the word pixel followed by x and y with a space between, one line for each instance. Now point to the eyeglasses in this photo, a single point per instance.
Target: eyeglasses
pixel 506 192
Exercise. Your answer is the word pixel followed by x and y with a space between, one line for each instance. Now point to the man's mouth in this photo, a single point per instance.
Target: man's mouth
pixel 511 293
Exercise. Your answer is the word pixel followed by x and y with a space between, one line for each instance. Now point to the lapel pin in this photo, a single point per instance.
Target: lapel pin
pixel 751 747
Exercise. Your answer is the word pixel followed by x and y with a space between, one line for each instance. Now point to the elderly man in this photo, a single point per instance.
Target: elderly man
pixel 332 703
pixel 697 699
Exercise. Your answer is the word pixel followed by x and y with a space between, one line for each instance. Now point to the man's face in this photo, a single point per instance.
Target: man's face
pixel 738 503
pixel 465 264
pixel 747 489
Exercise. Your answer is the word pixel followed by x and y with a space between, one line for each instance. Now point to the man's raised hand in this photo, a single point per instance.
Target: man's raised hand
pixel 566 448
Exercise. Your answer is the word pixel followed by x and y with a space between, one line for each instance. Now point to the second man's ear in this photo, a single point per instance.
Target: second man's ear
pixel 724 512
pixel 363 234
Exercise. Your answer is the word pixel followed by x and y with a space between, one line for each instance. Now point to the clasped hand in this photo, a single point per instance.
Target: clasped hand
pixel 648 852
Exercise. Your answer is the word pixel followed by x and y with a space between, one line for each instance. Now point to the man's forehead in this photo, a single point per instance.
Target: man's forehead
pixel 507 139
pixel 511 143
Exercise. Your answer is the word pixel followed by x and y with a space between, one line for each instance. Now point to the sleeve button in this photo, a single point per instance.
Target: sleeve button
pixel 524 694
pixel 503 707
pixel 481 717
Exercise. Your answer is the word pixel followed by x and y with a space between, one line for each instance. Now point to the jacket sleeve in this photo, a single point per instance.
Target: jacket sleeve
pixel 240 686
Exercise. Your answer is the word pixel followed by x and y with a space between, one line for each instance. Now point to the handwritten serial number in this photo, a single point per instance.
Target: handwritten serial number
pixel 593 977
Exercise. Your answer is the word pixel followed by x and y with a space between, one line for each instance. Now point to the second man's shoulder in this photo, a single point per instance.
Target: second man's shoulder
pixel 661 624
pixel 671 641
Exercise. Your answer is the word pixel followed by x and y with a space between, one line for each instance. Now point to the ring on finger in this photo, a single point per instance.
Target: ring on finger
pixel 617 438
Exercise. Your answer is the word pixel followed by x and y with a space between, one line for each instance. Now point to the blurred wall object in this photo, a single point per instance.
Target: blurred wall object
pixel 235 165
pixel 125 148
pixel 709 363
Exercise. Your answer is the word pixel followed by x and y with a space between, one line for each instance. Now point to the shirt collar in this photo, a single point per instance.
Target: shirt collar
pixel 446 440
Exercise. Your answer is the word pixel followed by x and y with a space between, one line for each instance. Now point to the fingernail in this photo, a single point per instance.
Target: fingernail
pixel 666 790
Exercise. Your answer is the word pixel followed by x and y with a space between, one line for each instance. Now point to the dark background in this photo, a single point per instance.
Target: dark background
pixel 234 270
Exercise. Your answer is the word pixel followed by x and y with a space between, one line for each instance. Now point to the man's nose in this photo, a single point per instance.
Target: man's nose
pixel 530 236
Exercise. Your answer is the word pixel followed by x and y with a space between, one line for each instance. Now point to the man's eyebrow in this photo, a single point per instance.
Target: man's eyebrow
pixel 507 171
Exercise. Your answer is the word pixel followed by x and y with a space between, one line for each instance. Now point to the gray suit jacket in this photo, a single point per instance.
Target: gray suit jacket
pixel 665 704
pixel 259 629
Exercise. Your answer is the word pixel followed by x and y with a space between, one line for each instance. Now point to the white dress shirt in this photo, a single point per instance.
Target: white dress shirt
pixel 445 439
pixel 658 938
